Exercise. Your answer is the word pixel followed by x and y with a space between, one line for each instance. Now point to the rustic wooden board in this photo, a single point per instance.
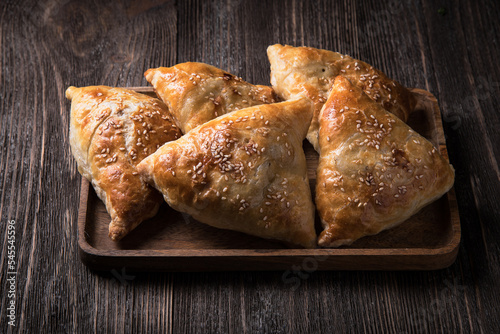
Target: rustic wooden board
pixel 172 241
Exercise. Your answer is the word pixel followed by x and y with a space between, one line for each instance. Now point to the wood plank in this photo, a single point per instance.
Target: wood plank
pixel 45 47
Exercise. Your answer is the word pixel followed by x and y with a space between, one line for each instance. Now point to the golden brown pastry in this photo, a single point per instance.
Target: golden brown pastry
pixel 196 93
pixel 111 131
pixel 374 171
pixel 304 71
pixel 244 171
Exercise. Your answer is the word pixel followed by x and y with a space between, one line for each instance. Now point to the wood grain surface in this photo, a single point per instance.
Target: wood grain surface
pixel 449 48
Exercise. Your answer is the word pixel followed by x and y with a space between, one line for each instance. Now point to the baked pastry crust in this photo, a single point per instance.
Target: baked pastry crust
pixel 244 171
pixel 196 93
pixel 305 71
pixel 374 171
pixel 111 131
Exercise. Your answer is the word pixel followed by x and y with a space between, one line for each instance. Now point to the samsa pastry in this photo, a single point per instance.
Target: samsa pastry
pixel 305 71
pixel 196 93
pixel 244 171
pixel 111 131
pixel 374 171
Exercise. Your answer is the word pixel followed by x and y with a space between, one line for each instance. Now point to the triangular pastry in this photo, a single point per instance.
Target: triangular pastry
pixel 305 71
pixel 244 171
pixel 196 93
pixel 374 171
pixel 111 131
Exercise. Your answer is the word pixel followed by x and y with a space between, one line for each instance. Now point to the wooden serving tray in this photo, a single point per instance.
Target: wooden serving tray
pixel 172 241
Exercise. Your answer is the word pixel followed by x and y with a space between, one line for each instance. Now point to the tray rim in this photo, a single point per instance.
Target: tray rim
pixel 425 258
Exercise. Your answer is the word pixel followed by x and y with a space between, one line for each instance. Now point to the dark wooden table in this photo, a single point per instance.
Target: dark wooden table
pixel 450 48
